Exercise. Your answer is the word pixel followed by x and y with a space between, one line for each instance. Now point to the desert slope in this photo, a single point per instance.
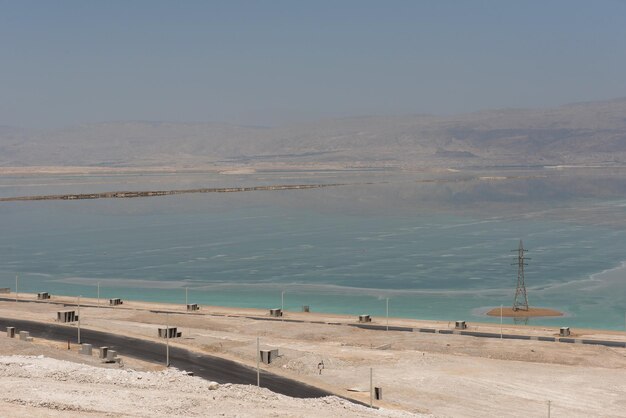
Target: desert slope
pixel 571 134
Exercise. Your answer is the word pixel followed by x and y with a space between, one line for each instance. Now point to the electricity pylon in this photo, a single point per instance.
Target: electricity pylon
pixel 520 303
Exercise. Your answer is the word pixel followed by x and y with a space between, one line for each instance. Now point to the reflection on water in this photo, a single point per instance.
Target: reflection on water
pixel 436 243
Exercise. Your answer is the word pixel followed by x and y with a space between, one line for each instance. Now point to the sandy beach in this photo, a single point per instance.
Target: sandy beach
pixel 442 375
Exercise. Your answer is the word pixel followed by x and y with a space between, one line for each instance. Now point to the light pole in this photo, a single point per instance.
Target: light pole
pixel 186 297
pixel 549 407
pixel 79 319
pixel 98 294
pixel 258 354
pixel 16 287
pixel 282 305
pixel 387 314
pixel 500 321
pixel 371 388
pixel 167 341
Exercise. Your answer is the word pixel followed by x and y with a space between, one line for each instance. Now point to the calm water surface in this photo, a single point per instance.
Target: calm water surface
pixel 438 251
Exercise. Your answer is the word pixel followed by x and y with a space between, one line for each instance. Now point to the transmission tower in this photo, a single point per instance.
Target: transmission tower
pixel 520 303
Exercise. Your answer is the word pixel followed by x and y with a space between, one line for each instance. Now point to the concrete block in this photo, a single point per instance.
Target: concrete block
pixel 11 332
pixel 365 318
pixel 86 349
pixel 460 325
pixel 103 352
pixel 267 356
pixel 276 312
pixel 67 316
pixel 171 332
pixel 378 393
pixel 24 335
pixel 111 355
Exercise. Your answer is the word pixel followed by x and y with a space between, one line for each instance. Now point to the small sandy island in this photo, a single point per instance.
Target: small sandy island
pixel 531 312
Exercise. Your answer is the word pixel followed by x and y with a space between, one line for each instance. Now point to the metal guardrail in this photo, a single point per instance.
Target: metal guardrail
pixel 479 334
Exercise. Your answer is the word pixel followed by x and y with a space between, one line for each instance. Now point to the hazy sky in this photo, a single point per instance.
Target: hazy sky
pixel 271 62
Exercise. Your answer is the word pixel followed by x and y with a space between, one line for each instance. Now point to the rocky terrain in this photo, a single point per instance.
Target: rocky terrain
pixel 43 386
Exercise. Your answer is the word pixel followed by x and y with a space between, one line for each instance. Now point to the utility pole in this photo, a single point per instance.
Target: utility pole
pixel 79 319
pixel 167 340
pixel 500 321
pixel 387 314
pixel 520 302
pixel 258 371
pixel 549 407
pixel 371 388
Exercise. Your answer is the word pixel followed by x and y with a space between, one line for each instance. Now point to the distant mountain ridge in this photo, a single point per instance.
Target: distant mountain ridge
pixel 589 132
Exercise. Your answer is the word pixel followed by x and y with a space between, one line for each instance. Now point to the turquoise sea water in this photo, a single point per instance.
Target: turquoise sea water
pixel 334 250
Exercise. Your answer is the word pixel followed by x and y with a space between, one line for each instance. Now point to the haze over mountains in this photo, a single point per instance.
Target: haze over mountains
pixel 581 133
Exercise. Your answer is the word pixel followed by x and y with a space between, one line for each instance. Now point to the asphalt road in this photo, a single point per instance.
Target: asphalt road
pixel 202 365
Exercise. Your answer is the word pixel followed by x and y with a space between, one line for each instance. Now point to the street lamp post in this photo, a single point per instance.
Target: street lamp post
pixel 79 319
pixel 282 305
pixel 167 341
pixel 387 314
pixel 500 321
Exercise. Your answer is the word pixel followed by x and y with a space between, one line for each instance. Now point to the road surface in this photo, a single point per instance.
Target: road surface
pixel 208 367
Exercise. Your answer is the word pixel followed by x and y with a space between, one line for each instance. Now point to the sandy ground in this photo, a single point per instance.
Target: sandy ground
pixel 442 375
pixel 78 386
pixel 531 312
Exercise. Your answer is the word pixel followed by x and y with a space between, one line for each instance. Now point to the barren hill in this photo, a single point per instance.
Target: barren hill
pixel 592 132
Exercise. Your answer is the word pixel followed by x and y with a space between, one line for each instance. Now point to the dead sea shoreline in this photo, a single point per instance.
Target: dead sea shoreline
pixel 328 318
pixel 441 373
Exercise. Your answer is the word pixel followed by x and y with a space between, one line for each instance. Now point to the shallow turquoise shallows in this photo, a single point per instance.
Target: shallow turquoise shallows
pixel 235 250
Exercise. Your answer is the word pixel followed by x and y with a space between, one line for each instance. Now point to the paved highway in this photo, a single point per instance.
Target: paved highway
pixel 202 365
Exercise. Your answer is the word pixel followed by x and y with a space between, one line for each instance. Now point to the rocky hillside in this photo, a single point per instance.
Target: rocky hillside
pixel 593 132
